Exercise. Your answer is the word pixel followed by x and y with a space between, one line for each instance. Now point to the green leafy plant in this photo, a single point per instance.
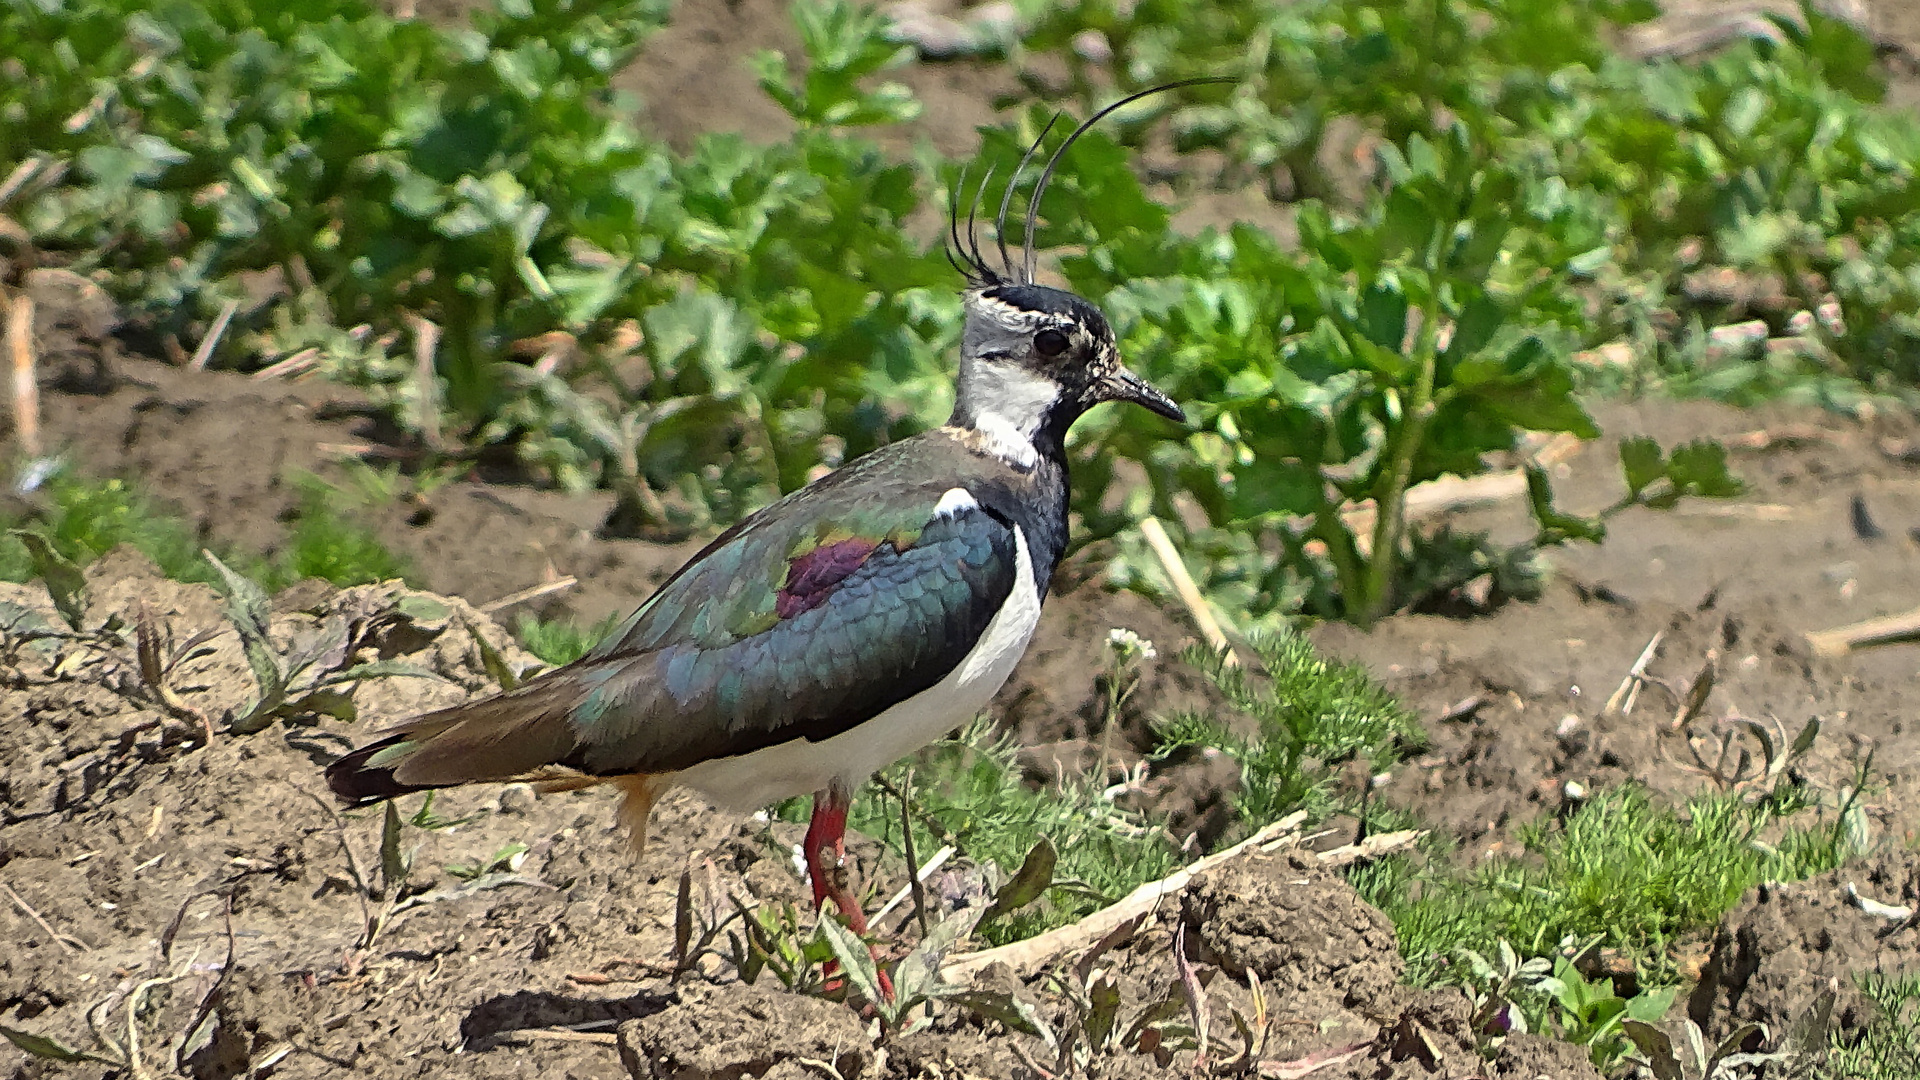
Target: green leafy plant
pixel 1409 341
pixel 1590 1013
pixel 310 675
pixel 1497 985
pixel 1306 67
pixel 1513 996
pixel 709 329
pixel 66 585
pixel 915 979
pixel 844 44
pixel 1759 180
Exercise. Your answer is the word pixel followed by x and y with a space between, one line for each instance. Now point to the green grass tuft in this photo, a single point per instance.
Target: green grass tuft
pixel 1889 1049
pixel 325 543
pixel 560 642
pixel 1624 868
pixel 84 519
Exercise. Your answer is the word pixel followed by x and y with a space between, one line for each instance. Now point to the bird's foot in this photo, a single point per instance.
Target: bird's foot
pixel 856 921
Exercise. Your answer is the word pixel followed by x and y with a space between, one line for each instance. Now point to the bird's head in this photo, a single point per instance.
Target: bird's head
pixel 1038 357
pixel 1034 358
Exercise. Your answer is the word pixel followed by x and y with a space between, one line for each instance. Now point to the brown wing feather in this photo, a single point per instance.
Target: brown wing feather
pixel 493 739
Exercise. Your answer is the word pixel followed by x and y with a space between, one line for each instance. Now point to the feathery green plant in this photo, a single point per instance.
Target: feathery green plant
pixel 1889 1048
pixel 325 543
pixel 84 519
pixel 1309 717
pixel 1640 875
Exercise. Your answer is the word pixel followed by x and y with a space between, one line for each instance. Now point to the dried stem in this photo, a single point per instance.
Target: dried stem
pixel 207 344
pixel 426 341
pixel 66 942
pixel 26 387
pixel 1184 587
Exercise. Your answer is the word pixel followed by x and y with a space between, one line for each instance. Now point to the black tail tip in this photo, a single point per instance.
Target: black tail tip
pixel 356 783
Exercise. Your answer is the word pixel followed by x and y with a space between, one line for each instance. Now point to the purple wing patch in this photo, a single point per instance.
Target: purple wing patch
pixel 811 577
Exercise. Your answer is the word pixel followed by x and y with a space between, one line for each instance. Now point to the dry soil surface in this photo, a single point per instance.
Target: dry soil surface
pixel 116 816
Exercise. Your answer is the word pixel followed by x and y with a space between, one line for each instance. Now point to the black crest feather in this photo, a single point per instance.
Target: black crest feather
pixel 964 252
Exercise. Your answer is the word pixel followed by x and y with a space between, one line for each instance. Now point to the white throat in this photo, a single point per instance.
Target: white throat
pixel 1007 440
pixel 1009 405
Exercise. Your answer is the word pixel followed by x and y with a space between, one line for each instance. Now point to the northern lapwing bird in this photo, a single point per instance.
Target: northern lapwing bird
pixel 837 630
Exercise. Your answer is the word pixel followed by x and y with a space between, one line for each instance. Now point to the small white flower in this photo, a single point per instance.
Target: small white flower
pixel 1129 644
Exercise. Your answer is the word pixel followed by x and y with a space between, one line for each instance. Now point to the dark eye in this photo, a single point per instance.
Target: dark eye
pixel 1050 343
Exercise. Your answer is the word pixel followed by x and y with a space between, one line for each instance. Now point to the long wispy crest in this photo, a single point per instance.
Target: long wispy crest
pixel 964 253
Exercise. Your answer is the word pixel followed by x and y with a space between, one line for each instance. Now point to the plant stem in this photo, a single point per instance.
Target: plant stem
pixel 1341 549
pixel 1389 497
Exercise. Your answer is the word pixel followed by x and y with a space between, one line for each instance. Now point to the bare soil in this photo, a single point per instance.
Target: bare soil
pixel 114 817
pixel 144 860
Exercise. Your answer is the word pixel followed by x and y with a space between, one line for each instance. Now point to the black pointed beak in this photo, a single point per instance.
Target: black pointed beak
pixel 1124 385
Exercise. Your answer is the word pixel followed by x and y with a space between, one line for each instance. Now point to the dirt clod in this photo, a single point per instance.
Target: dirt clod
pixel 1299 928
pixel 1786 943
pixel 732 1031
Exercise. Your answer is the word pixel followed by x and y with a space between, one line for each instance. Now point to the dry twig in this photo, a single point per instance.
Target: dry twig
pixel 18 178
pixel 1882 631
pixel 545 588
pixel 426 341
pixel 66 942
pixel 1029 955
pixel 293 364
pixel 207 344
pixel 1183 586
pixel 26 387
pixel 563 1035
pixel 1621 703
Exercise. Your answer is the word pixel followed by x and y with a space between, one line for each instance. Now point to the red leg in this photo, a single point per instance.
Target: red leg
pixel 826 846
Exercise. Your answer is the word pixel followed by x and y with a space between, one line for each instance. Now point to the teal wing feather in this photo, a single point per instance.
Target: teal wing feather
pixel 801 627
pixel 802 621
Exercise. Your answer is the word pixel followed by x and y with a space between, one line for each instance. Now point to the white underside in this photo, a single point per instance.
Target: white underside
pixel 750 781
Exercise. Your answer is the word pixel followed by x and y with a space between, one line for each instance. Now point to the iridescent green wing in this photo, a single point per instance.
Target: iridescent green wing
pixel 804 621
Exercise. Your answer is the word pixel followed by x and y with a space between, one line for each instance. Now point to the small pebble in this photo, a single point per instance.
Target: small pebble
pixel 515 799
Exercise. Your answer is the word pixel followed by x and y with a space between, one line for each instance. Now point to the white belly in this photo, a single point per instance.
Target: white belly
pixel 750 781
